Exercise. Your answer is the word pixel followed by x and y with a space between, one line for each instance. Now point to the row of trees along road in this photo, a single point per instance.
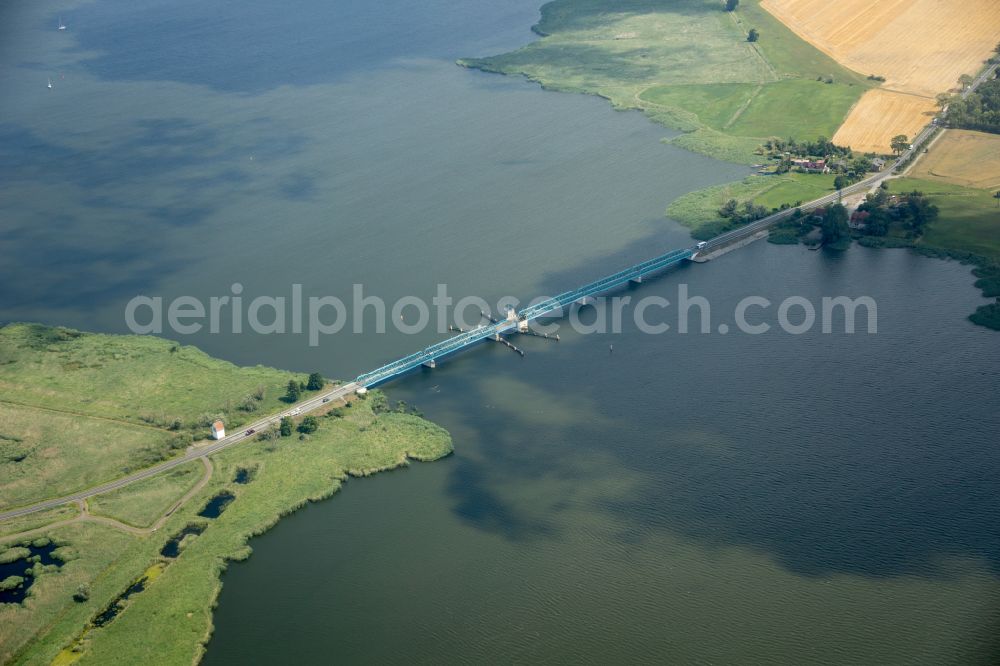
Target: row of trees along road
pixel 295 389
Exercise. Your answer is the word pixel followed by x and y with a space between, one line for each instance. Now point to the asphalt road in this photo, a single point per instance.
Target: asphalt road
pixel 868 183
pixel 319 400
pixel 193 453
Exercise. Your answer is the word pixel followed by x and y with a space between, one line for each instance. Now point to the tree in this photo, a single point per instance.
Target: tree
pixel 862 165
pixel 980 110
pixel 965 81
pixel 753 35
pixel 997 197
pixel 731 5
pixel 919 211
pixel 729 208
pixel 285 429
pixel 316 382
pixel 899 143
pixel 878 223
pixel 841 181
pixel 309 425
pixel 271 434
pixel 248 404
pixel 942 99
pixel 834 225
pixel 82 593
pixel 294 391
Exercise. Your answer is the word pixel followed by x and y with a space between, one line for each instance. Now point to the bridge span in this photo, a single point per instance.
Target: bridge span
pixel 466 339
pixel 518 320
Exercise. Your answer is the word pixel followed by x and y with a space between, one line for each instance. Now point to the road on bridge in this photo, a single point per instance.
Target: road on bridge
pixel 468 338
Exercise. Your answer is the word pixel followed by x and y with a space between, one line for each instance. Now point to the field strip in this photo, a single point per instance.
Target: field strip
pixel 86 515
pixel 895 91
pixel 743 107
pixel 40 531
pixel 158 523
pixel 917 46
pixel 962 157
pixel 760 54
pixel 923 155
pixel 84 415
pixel 880 115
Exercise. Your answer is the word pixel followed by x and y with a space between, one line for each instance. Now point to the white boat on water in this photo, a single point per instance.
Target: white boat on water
pixel 50 82
pixel 62 26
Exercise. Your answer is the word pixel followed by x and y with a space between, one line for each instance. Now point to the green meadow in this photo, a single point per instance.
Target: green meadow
pixel 32 521
pixel 687 64
pixel 134 379
pixel 78 409
pixel 969 218
pixel 46 454
pixel 141 503
pixel 50 626
pixel 701 207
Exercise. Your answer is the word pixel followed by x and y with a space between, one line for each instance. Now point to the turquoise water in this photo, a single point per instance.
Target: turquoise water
pixel 686 498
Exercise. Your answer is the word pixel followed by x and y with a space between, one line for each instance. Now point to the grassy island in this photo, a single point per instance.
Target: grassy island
pixel 151 553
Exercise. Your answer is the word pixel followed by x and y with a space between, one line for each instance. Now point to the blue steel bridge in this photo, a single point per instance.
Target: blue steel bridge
pixel 430 355
pixel 635 273
pixel 516 321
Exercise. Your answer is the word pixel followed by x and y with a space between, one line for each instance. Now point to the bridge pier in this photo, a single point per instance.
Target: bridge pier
pixel 636 280
pixel 430 364
pixel 508 345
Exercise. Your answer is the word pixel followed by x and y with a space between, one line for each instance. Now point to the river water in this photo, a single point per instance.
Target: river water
pixel 713 498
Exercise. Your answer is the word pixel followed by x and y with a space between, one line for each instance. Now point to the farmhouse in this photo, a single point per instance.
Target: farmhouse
pixel 858 220
pixel 218 430
pixel 878 164
pixel 812 166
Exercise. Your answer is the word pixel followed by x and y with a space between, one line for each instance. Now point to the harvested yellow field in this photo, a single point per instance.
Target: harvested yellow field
pixel 961 157
pixel 919 46
pixel 880 115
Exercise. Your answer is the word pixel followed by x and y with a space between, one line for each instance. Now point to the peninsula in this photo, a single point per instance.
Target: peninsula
pixel 80 409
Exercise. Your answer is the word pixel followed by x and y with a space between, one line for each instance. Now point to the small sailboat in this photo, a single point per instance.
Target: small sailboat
pixel 50 82
pixel 62 26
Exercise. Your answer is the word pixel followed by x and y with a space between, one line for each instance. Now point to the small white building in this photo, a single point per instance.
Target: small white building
pixel 218 430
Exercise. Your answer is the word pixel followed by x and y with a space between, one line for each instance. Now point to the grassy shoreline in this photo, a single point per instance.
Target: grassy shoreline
pixel 688 65
pixel 108 558
pixel 698 210
pixel 79 409
pixel 967 228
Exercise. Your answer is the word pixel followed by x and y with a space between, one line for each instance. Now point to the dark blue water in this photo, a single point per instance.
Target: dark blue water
pixel 216 505
pixel 172 548
pixel 19 568
pixel 244 476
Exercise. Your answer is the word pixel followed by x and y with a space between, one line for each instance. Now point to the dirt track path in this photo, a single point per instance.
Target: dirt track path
pixel 85 514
